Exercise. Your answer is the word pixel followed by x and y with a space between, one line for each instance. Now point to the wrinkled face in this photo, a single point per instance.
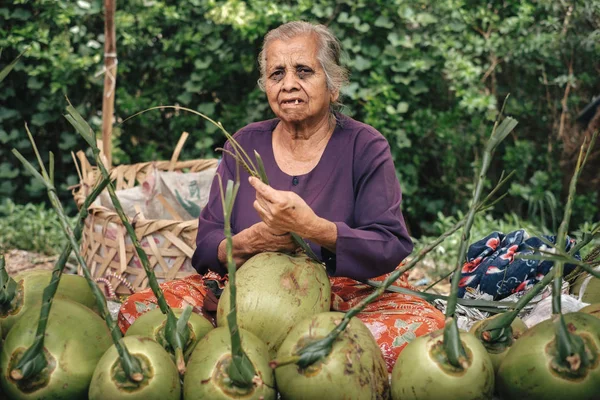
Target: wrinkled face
pixel 295 82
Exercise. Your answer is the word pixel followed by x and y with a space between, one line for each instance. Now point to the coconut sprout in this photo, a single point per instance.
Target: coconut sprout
pixel 454 360
pixel 153 323
pixel 126 372
pixel 561 354
pixel 34 360
pixel 12 295
pixel 177 334
pixel 74 341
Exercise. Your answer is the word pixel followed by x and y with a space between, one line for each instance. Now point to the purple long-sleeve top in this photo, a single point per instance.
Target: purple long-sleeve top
pixel 354 185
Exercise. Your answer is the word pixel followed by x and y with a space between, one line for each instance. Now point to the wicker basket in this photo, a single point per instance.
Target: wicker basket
pixel 105 245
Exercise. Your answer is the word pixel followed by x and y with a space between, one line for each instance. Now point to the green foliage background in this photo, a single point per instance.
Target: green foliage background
pixel 430 75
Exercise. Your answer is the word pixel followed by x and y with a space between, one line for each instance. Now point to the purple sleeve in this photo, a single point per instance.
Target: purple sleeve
pixel 378 241
pixel 211 224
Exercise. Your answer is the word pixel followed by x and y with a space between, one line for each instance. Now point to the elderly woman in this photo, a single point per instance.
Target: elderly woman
pixel 332 181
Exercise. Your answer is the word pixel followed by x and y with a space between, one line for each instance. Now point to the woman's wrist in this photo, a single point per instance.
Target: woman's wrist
pixel 242 247
pixel 322 232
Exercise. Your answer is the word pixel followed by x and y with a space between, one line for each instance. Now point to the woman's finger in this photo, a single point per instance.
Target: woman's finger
pixel 265 191
pixel 260 209
pixel 263 202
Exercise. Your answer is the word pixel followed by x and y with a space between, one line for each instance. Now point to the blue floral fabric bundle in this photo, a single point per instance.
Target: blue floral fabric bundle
pixel 492 268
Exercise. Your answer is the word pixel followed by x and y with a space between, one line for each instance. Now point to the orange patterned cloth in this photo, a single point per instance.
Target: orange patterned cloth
pixel 394 319
pixel 179 293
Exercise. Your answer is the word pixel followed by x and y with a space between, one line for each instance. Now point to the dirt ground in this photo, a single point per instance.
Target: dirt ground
pixel 21 260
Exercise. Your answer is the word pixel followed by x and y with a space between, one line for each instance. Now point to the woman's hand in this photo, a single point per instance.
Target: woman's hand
pixel 261 238
pixel 256 239
pixel 283 211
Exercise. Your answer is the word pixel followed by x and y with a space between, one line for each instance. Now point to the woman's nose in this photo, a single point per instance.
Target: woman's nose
pixel 290 81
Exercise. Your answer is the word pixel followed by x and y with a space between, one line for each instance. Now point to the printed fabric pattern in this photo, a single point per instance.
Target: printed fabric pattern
pixel 491 266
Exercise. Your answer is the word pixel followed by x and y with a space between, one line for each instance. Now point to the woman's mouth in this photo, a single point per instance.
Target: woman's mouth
pixel 292 102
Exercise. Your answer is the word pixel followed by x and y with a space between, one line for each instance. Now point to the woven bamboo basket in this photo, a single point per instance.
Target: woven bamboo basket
pixel 105 245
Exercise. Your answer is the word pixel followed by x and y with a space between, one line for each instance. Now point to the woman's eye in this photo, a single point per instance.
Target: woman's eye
pixel 277 75
pixel 304 72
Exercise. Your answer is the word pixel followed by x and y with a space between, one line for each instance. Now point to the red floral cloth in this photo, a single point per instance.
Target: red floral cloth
pixel 394 319
pixel 178 293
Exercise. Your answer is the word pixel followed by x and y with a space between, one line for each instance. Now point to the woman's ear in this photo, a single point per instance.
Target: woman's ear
pixel 334 96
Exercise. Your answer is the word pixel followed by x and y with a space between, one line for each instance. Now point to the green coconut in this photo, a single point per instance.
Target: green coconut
pixel 274 292
pixel 423 371
pixel 354 368
pixel 591 292
pixel 206 375
pixel 161 378
pixel 592 309
pixel 529 370
pixel 498 350
pixel 152 324
pixel 76 338
pixel 30 288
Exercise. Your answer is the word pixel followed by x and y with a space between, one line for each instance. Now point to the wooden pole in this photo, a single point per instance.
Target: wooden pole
pixel 110 79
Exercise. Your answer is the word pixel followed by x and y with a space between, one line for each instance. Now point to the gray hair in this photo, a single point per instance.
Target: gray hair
pixel 329 52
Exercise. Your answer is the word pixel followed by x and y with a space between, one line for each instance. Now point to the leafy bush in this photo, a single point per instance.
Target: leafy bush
pixel 30 227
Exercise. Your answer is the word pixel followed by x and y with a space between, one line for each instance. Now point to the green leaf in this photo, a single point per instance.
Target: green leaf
pixel 34 83
pixel 81 125
pixel 206 108
pixel 185 98
pixel 402 107
pixel 426 19
pixel 418 87
pixel 203 63
pixel 384 22
pixel 6 70
pixel 7 113
pixel 361 63
pixel 7 171
pixel 30 168
pixel 21 14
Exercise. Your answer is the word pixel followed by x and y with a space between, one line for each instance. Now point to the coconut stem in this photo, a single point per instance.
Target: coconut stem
pixel 177 338
pixel 571 349
pixel 485 305
pixel 452 345
pixel 8 286
pixel 241 371
pixel 33 361
pixel 498 329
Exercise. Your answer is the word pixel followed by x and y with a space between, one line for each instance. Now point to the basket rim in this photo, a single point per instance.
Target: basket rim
pixel 88 176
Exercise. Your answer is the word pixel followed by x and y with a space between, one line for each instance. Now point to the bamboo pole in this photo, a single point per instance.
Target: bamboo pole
pixel 110 79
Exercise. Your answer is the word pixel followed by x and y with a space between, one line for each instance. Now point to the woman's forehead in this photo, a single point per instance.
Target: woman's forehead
pixel 297 50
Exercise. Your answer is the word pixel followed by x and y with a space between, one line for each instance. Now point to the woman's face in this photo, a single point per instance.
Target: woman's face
pixel 295 83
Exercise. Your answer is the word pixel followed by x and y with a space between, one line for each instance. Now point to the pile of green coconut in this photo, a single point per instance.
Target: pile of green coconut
pixel 275 336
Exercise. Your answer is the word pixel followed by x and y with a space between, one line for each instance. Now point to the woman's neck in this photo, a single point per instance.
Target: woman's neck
pixel 303 135
pixel 298 149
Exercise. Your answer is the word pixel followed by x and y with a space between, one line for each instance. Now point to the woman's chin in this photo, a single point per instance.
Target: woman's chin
pixel 293 117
